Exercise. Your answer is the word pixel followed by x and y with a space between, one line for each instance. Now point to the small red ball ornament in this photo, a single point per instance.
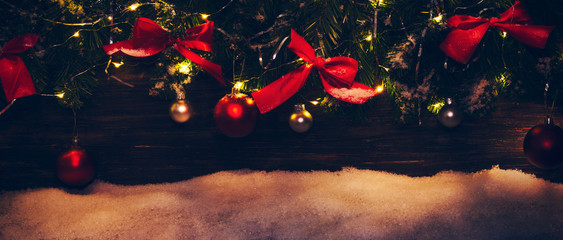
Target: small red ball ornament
pixel 75 168
pixel 543 145
pixel 236 115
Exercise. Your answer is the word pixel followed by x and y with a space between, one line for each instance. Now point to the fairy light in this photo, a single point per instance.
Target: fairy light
pixel 379 89
pixel 503 34
pixel 76 34
pixel 369 38
pixel 183 68
pixel 60 95
pixel 117 64
pixel 110 18
pixel 314 102
pixel 438 18
pixel 238 85
pixel 204 16
pixel 134 6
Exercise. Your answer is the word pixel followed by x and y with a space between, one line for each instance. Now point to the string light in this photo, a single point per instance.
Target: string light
pixel 379 89
pixel 204 16
pixel 76 34
pixel 110 18
pixel 183 67
pixel 117 64
pixel 438 18
pixel 134 6
pixel 238 85
pixel 503 34
pixel 314 102
pixel 369 38
pixel 60 95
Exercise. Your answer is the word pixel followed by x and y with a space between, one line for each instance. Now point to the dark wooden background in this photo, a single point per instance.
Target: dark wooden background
pixel 135 142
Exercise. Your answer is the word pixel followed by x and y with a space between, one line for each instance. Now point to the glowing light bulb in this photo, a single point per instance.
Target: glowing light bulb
pixel 134 6
pixel 117 64
pixel 204 16
pixel 369 38
pixel 60 95
pixel 238 85
pixel 503 34
pixel 76 34
pixel 183 67
pixel 437 18
pixel 379 89
pixel 314 102
pixel 110 18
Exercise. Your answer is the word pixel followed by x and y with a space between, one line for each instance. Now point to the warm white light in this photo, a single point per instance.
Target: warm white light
pixel 503 34
pixel 204 16
pixel 117 64
pixel 183 67
pixel 110 18
pixel 438 18
pixel 134 6
pixel 450 114
pixel 76 34
pixel 238 85
pixel 314 102
pixel 60 95
pixel 379 88
pixel 369 38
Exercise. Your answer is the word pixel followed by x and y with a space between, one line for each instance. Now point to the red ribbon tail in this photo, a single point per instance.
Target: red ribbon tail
pixel 212 68
pixel 532 35
pixel 15 77
pixel 273 95
pixel 358 93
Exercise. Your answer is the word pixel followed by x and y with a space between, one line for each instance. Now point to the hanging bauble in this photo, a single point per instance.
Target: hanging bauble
pixel 543 145
pixel 180 111
pixel 75 168
pixel 301 120
pixel 449 115
pixel 236 114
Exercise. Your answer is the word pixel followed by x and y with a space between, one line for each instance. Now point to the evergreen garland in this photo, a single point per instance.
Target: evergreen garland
pixel 249 30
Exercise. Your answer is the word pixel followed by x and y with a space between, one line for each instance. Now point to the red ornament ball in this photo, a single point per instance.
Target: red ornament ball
pixel 543 145
pixel 75 168
pixel 236 115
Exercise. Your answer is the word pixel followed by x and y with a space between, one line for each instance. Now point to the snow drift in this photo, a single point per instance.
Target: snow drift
pixel 349 204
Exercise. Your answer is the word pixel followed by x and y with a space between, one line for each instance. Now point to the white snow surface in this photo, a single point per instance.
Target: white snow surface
pixel 348 204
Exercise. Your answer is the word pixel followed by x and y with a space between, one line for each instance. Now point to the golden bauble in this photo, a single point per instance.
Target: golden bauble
pixel 301 120
pixel 180 111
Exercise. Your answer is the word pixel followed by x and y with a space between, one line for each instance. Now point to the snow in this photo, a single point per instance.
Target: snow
pixel 348 204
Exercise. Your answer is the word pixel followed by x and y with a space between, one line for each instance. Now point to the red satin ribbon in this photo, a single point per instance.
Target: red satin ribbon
pixel 149 39
pixel 337 75
pixel 467 31
pixel 13 72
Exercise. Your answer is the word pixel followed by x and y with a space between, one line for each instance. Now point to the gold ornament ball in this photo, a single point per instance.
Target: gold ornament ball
pixel 301 120
pixel 180 111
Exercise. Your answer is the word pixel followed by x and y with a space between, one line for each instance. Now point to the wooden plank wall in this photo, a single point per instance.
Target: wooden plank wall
pixel 135 142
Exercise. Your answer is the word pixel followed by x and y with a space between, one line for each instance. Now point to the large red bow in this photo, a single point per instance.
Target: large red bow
pixel 13 73
pixel 149 39
pixel 337 75
pixel 467 31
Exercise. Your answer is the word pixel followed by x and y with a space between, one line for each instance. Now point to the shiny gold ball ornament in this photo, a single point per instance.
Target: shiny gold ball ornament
pixel 301 120
pixel 180 111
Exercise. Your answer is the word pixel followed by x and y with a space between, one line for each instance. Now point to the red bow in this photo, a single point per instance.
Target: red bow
pixel 467 31
pixel 13 73
pixel 337 75
pixel 149 39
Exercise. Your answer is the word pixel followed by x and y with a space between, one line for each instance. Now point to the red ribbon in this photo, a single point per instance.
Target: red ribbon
pixel 13 72
pixel 467 31
pixel 149 39
pixel 337 75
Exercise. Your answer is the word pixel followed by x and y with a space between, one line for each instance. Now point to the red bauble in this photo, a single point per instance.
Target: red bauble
pixel 236 115
pixel 543 145
pixel 75 168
